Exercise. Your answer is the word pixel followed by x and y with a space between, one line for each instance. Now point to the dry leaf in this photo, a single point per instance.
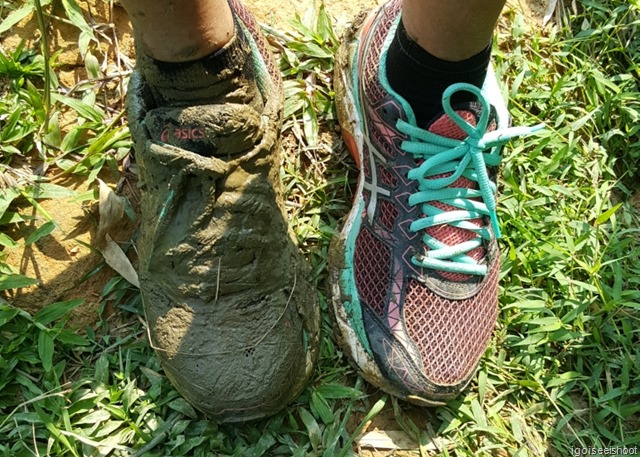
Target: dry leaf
pixel 111 209
pixel 397 440
pixel 548 14
pixel 387 440
pixel 117 260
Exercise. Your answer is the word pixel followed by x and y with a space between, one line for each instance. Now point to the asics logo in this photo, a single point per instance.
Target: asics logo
pixel 181 133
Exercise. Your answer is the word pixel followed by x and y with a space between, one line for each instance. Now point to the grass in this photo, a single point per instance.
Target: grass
pixel 563 369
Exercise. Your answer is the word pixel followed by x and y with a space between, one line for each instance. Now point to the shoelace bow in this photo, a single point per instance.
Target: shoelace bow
pixel 468 158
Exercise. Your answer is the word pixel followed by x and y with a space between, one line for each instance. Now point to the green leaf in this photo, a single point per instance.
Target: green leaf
pixel 102 369
pixel 9 131
pixel 52 191
pixel 604 217
pixel 335 392
pixel 92 65
pixel 310 121
pixel 45 350
pixel 310 49
pixel 324 26
pixel 38 207
pixel 14 218
pixel 41 232
pixel 95 417
pixel 55 431
pixel 83 42
pixel 71 139
pixel 16 16
pixel 71 339
pixel 15 282
pixel 373 412
pixel 315 434
pixel 6 197
pixel 55 311
pixel 181 405
pixel 74 13
pixel 613 393
pixel 516 428
pixel 6 241
pixel 320 406
pixel 84 110
pixel 116 411
pixel 7 313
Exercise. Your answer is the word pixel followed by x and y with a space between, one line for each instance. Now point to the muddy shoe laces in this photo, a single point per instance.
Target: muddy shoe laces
pixel 467 158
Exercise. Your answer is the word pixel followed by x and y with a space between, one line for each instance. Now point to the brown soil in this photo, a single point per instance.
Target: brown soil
pixel 62 262
pixel 533 10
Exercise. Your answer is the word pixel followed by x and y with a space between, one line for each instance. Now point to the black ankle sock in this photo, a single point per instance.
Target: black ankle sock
pixel 200 81
pixel 422 78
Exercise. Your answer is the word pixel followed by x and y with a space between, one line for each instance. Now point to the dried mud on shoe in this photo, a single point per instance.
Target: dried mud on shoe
pixel 231 313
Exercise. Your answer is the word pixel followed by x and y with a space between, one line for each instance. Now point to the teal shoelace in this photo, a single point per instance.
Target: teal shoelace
pixel 467 158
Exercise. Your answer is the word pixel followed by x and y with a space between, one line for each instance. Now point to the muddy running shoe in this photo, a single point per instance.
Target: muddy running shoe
pixel 231 313
pixel 415 268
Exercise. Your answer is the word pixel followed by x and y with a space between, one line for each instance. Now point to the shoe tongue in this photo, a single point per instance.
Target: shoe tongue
pixel 444 126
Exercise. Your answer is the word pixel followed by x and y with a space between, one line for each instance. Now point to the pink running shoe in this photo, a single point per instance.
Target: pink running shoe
pixel 415 268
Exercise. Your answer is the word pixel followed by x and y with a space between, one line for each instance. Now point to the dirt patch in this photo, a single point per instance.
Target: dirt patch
pixel 533 10
pixel 277 13
pixel 63 263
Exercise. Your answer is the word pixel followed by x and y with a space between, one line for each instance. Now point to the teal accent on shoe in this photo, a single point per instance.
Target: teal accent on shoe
pixel 461 158
pixel 348 284
pixel 382 73
pixel 470 158
pixel 262 73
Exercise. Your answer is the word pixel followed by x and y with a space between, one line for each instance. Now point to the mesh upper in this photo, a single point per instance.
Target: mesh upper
pixel 372 87
pixel 387 178
pixel 451 335
pixel 388 214
pixel 373 259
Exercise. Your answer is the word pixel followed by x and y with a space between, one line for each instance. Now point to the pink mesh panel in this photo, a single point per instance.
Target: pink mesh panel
pixel 451 334
pixel 388 214
pixel 445 127
pixel 370 71
pixel 387 178
pixel 372 265
pixel 383 142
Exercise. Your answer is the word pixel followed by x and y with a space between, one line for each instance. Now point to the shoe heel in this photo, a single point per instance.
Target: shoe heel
pixel 346 89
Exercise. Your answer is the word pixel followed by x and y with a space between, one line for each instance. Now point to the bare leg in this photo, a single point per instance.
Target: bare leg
pixel 452 30
pixel 180 30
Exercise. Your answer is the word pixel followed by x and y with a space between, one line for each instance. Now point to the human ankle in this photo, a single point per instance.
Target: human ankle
pixel 421 78
pixel 171 31
pixel 227 75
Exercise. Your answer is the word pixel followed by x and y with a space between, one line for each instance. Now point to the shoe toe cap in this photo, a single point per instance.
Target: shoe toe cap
pixel 235 360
